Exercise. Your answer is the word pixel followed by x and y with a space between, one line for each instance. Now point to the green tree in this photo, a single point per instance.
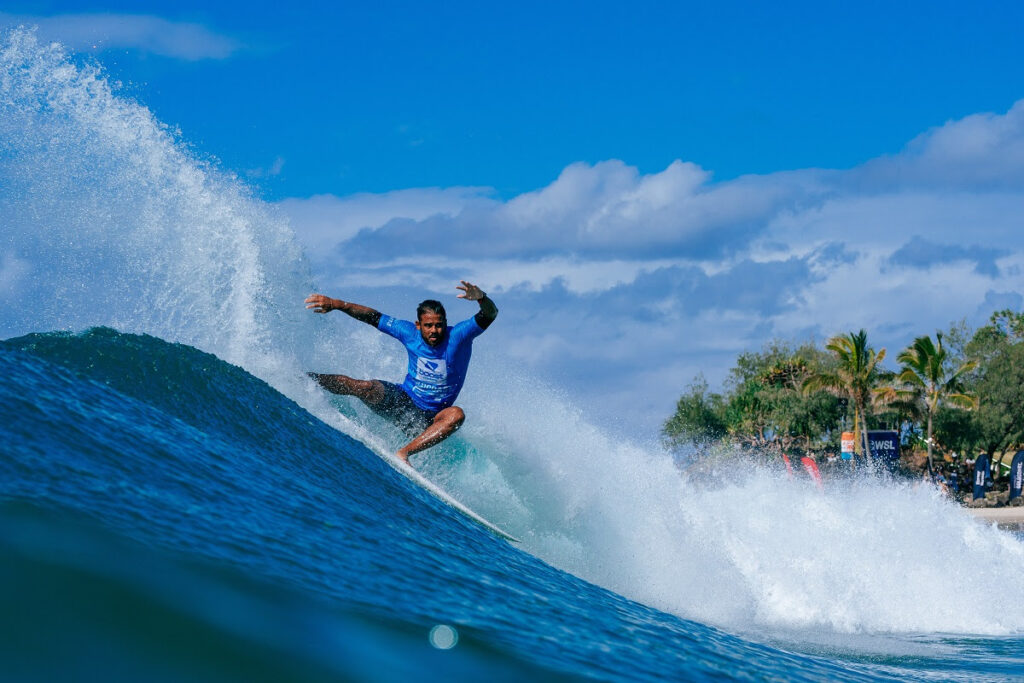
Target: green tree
pixel 931 379
pixel 766 407
pixel 748 413
pixel 798 417
pixel 698 418
pixel 998 381
pixel 763 407
pixel 999 419
pixel 855 376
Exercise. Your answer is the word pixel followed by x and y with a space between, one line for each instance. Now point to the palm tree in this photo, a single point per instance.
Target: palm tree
pixel 854 377
pixel 926 372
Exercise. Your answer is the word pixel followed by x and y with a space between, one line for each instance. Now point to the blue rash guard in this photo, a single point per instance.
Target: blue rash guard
pixel 436 373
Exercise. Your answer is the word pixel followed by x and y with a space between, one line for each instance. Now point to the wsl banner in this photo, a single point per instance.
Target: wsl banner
pixel 1017 475
pixel 885 447
pixel 981 476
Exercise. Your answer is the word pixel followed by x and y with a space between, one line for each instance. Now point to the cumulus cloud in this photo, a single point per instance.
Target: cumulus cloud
pixel 621 284
pixel 967 174
pixel 605 211
pixel 324 221
pixel 107 31
pixel 920 253
pixel 998 301
pixel 980 152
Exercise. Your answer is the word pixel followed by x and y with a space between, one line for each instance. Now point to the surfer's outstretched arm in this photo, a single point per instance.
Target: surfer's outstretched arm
pixel 444 425
pixel 325 304
pixel 488 309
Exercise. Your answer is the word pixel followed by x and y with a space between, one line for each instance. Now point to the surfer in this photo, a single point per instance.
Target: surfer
pixel 423 406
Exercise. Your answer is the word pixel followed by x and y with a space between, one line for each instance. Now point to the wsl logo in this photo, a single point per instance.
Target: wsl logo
pixel 884 444
pixel 432 370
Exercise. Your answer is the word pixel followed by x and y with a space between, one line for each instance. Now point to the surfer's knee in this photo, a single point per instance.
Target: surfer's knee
pixel 453 416
pixel 373 392
pixel 369 391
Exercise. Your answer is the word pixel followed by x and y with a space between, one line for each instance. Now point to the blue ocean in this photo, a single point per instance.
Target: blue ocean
pixel 179 502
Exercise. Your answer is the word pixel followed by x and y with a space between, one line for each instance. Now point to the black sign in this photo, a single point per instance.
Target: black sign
pixel 1017 475
pixel 982 476
pixel 884 444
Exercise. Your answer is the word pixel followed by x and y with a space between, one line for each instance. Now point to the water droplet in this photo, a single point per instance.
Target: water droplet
pixel 444 637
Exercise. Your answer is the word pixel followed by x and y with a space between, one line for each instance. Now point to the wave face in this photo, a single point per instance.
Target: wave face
pixel 181 433
pixel 179 451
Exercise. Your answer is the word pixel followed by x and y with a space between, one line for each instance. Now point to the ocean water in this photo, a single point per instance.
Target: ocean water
pixel 178 502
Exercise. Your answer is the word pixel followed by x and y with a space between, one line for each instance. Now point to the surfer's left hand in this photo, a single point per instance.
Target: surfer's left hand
pixel 471 291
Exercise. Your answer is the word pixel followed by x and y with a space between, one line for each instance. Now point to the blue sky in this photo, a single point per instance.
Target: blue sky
pixel 370 97
pixel 646 188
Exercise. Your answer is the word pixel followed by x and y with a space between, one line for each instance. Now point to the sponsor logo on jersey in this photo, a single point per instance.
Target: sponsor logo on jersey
pixel 432 370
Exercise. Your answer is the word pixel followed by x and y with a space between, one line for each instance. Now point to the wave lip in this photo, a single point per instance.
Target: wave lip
pixel 110 220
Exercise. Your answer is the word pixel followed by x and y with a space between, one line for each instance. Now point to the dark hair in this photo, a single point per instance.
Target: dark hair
pixel 431 306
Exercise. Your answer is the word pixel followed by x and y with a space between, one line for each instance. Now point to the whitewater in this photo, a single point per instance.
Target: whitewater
pixel 178 499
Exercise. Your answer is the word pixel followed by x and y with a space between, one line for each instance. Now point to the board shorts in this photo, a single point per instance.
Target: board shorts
pixel 399 409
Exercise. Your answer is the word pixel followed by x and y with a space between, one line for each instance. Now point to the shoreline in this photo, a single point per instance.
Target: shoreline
pixel 1011 517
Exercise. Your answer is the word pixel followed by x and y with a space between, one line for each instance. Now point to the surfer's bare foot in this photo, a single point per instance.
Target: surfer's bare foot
pixel 403 456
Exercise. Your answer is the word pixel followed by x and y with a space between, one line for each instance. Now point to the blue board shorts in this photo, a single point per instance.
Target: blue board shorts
pixel 399 409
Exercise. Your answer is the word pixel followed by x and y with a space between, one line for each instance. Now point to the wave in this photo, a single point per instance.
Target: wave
pixel 110 220
pixel 235 499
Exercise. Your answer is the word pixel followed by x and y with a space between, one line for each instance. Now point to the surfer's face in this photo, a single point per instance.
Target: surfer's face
pixel 431 325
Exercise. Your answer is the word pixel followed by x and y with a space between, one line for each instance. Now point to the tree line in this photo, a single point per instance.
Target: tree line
pixel 961 390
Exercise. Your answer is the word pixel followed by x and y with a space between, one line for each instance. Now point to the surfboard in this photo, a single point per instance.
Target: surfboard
pixel 443 496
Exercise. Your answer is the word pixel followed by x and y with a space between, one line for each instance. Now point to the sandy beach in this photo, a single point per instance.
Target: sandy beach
pixel 1009 517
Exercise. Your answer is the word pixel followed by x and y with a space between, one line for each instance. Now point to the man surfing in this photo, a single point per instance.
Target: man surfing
pixel 423 406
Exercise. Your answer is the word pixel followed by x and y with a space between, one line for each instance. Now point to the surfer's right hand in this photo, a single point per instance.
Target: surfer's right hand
pixel 320 303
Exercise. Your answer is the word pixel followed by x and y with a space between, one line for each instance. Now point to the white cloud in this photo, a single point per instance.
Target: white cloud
pixel 605 211
pixel 324 221
pixel 979 151
pixel 107 31
pixel 967 175
pixel 622 286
